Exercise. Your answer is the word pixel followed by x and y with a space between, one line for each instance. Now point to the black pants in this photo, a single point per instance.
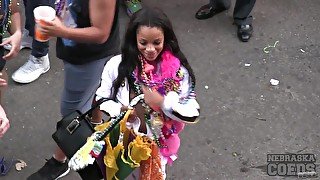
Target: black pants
pixel 241 12
pixel 39 49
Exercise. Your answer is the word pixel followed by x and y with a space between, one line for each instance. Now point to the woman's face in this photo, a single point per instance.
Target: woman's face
pixel 150 41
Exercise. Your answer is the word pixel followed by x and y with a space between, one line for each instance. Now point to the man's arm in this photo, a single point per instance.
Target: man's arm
pixel 101 16
pixel 15 17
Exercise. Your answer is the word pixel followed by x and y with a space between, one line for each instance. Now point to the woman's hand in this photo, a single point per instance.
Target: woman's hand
pixel 53 28
pixel 152 98
pixel 15 41
pixel 3 82
pixel 4 125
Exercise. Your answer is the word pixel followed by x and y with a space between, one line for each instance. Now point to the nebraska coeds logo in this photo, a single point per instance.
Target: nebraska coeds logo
pixel 301 165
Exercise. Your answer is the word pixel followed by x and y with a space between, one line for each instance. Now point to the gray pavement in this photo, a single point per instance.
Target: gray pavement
pixel 243 117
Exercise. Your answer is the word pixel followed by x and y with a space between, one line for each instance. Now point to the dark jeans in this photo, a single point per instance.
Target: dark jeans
pixel 241 12
pixel 39 49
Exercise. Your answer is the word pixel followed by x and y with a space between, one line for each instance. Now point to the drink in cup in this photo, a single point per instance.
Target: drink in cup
pixel 41 14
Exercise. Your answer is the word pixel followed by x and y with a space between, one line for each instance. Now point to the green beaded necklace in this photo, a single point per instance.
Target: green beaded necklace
pixel 147 117
pixel 6 19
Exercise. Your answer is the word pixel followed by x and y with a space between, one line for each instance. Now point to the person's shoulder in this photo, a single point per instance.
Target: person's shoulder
pixel 114 61
pixel 184 70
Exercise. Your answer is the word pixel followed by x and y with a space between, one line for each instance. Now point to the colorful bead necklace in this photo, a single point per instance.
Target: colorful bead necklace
pixel 167 80
pixel 59 4
pixel 147 117
pixel 6 19
pixel 157 81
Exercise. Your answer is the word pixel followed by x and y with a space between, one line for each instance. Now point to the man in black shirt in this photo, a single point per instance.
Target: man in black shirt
pixel 88 36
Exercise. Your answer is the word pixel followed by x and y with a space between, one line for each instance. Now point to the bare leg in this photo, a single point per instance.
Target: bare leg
pixel 59 155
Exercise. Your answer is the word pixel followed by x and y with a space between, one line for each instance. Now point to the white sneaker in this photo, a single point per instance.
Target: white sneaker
pixel 26 41
pixel 32 69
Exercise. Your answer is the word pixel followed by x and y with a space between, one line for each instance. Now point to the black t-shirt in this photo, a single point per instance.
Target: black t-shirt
pixel 81 53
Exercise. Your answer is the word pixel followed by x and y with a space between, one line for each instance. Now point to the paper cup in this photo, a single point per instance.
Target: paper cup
pixel 45 13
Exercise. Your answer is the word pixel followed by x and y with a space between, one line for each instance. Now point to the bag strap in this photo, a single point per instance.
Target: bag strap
pixel 117 119
pixel 95 105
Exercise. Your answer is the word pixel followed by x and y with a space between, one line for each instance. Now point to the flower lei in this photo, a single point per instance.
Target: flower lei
pixel 165 78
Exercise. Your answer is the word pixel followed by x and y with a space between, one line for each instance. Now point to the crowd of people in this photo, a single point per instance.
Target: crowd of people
pixel 149 62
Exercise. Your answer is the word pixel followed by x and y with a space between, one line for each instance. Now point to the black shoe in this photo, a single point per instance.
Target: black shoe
pixel 207 11
pixel 51 170
pixel 245 32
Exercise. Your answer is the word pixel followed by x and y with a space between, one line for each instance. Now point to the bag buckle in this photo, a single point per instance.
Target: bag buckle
pixel 73 125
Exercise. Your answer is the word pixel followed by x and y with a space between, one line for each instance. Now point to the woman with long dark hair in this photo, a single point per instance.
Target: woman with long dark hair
pixel 153 64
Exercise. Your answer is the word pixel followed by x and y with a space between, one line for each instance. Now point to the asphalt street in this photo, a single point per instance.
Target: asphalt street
pixel 243 116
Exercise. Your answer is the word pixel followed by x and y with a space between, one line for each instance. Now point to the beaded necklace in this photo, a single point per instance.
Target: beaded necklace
pixel 163 81
pixel 167 80
pixel 59 4
pixel 147 117
pixel 6 19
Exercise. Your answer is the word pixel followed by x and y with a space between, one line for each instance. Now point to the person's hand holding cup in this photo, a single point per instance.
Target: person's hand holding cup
pixel 42 15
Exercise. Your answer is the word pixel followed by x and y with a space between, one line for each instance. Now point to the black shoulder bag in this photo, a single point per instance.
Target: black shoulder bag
pixel 72 133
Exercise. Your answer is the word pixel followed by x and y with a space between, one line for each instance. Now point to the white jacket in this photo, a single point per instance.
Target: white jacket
pixel 176 106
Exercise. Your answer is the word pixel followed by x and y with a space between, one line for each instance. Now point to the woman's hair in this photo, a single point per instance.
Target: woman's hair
pixel 151 18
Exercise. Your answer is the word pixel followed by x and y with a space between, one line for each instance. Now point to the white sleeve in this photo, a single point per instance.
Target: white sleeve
pixel 109 74
pixel 183 106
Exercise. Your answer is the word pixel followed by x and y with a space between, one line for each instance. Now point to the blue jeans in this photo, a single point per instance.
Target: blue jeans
pixel 39 49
